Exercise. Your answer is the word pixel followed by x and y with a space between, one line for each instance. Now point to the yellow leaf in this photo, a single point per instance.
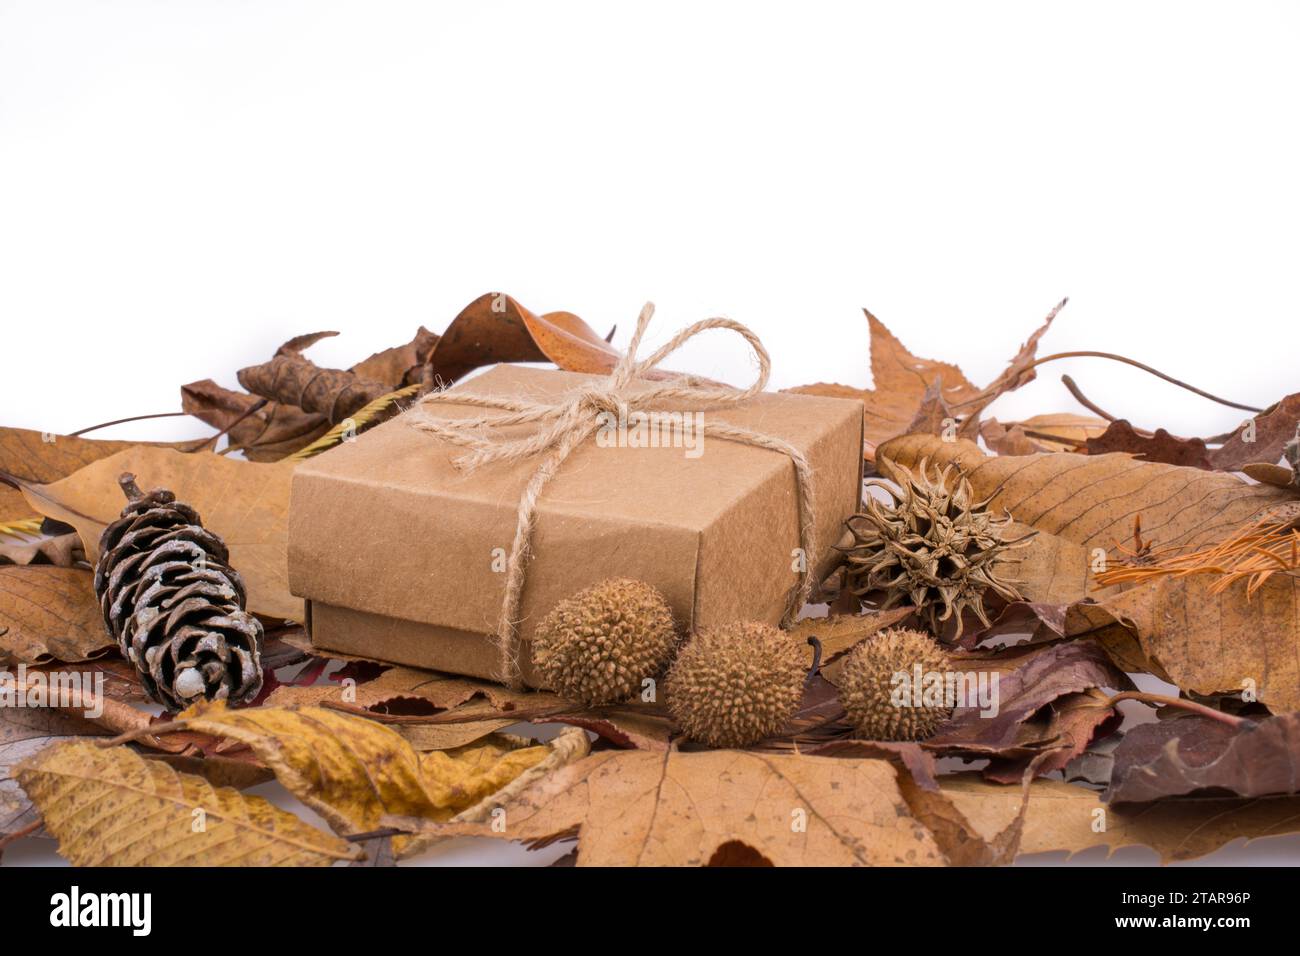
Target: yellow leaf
pixel 111 807
pixel 354 771
pixel 354 423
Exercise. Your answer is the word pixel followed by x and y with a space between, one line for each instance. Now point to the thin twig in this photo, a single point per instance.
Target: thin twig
pixel 252 410
pixel 20 833
pixel 1146 368
pixel 123 421
pixel 1178 702
pixel 1083 399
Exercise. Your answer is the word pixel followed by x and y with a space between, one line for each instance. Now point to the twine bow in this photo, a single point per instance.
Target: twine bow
pixel 564 424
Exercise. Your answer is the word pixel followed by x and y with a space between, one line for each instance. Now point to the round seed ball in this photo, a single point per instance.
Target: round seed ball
pixel 736 684
pixel 599 645
pixel 867 686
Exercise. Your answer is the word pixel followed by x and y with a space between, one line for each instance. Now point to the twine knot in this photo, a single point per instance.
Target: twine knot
pixel 561 425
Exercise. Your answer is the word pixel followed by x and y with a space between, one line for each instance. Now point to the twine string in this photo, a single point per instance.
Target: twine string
pixel 564 424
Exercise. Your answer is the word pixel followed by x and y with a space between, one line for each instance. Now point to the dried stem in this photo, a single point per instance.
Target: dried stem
pixel 1083 399
pixel 1182 704
pixel 1146 368
pixel 123 421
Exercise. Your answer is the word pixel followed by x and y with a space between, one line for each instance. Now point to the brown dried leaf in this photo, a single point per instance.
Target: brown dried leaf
pixel 839 633
pixel 291 379
pixel 1193 754
pixel 49 613
pixel 1092 501
pixel 463 709
pixel 265 435
pixel 1052 673
pixel 1162 446
pixel 247 504
pixel 496 328
pixel 1061 431
pixel 633 808
pixel 1209 642
pixel 24 731
pixel 907 388
pixel 62 551
pixel 1273 428
pixel 1202 641
pixel 400 366
pixel 1062 816
pixel 43 457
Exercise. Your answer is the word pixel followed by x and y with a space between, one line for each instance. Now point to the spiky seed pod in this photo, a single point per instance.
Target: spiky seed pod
pixel 599 645
pixel 731 686
pixel 867 686
pixel 174 605
pixel 935 548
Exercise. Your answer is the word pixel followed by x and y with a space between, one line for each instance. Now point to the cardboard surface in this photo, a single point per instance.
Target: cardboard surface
pixel 399 553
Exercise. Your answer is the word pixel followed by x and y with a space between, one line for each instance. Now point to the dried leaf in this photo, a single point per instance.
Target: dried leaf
pixel 1261 438
pixel 1093 500
pixel 1193 754
pixel 62 551
pixel 71 784
pixel 354 771
pixel 25 731
pixel 690 809
pixel 401 366
pixel 1162 446
pixel 266 434
pixel 1062 816
pixel 496 328
pixel 381 409
pixel 44 457
pixel 1062 431
pixel 49 613
pixel 247 504
pixel 1043 677
pixel 839 633
pixel 292 379
pixel 466 709
pixel 1202 641
pixel 1208 642
pixel 902 383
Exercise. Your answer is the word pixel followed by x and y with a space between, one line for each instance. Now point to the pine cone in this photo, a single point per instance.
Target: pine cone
pixel 173 604
pixel 935 548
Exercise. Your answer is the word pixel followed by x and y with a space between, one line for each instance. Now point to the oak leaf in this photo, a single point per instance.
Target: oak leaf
pixel 1120 436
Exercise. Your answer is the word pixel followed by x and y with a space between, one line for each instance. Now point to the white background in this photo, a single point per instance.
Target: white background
pixel 183 185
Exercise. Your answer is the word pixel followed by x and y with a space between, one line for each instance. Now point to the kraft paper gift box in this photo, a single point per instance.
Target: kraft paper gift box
pixel 400 555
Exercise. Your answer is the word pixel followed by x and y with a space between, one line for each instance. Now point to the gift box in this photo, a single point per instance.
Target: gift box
pixel 401 555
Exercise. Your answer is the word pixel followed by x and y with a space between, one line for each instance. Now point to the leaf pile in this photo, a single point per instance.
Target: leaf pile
pixel 1118 580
